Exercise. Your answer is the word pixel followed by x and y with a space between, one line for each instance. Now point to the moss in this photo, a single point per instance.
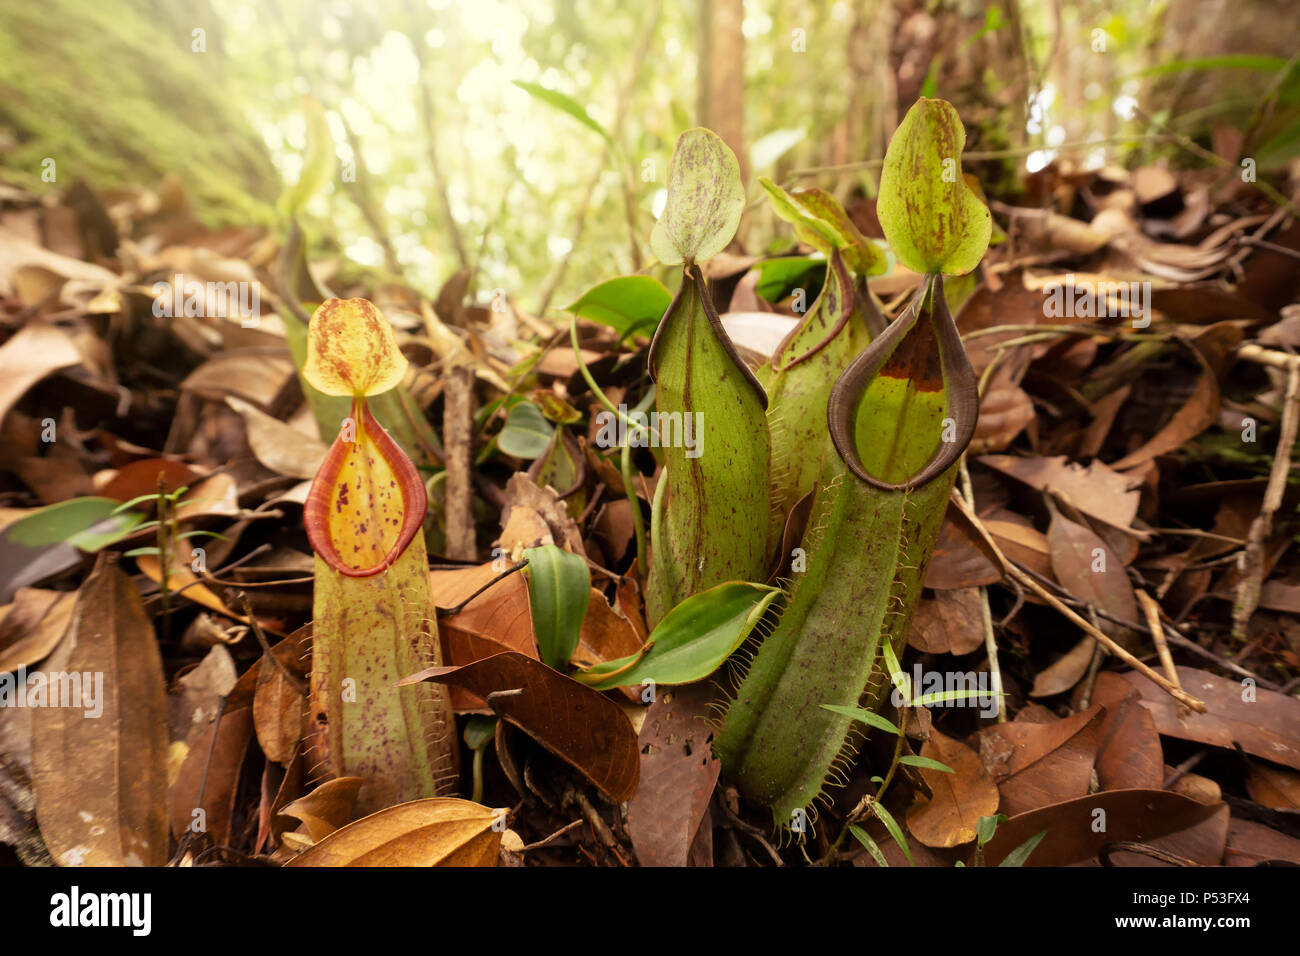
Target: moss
pixel 115 95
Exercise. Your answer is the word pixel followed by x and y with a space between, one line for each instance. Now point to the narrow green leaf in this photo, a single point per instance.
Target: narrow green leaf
pixel 693 639
pixel 894 829
pixel 87 523
pixel 867 717
pixel 527 433
pixel 705 200
pixel 1020 854
pixel 559 587
pixel 564 103
pixel 985 827
pixel 933 220
pixel 865 839
pixel 624 303
pixel 927 763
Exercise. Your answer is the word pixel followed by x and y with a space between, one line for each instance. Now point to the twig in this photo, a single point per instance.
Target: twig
pixel 1252 565
pixel 458 435
pixel 1152 611
pixel 986 616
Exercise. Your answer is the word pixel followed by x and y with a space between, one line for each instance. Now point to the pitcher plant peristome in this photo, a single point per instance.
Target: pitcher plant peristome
pixel 373 618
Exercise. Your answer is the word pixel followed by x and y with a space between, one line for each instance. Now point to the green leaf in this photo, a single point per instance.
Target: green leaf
pixel 559 587
pixel 527 433
pixel 865 716
pixel 692 640
pixel 1020 854
pixel 705 200
pixel 87 523
pixel 943 697
pixel 807 227
pixel 624 303
pixel 136 552
pixel 778 277
pixel 894 829
pixel 985 827
pixel 927 763
pixel 865 839
pixel 479 731
pixel 318 161
pixel 933 220
pixel 564 103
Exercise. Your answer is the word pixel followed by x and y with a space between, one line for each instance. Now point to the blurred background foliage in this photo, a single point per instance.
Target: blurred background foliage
pixel 452 157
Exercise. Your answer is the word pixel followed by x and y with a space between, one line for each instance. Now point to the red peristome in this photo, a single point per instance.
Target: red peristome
pixel 315 513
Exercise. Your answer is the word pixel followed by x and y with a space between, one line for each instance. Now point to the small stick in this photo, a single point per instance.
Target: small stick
pixel 1252 581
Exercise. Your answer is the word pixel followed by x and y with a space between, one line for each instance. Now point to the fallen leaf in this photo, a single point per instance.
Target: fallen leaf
pixel 1077 829
pixel 33 625
pixel 437 831
pixel 1264 722
pixel 948 623
pixel 280 447
pixel 1097 490
pixel 33 352
pixel 1036 764
pixel 960 798
pixel 327 808
pixel 90 811
pixel 1085 567
pixel 574 722
pixel 1128 754
pixel 1064 672
pixel 1005 410
pixel 1274 787
pixel 678 774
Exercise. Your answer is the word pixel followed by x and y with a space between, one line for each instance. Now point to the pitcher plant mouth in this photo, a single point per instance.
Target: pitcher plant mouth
pixel 367 501
pixel 935 371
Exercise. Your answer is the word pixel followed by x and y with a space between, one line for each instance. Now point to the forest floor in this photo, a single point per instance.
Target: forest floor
pixel 1136 466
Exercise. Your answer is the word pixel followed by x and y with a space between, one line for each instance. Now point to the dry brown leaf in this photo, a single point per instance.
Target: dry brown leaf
pixel 1077 829
pixel 1129 754
pixel 581 726
pixel 960 798
pixel 1064 672
pixel 32 353
pixel 678 774
pixel 1005 410
pixel 33 625
pixel 1086 568
pixel 1097 490
pixel 90 811
pixel 280 447
pixel 327 808
pixel 1037 764
pixel 948 623
pixel 438 831
pixel 1264 722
